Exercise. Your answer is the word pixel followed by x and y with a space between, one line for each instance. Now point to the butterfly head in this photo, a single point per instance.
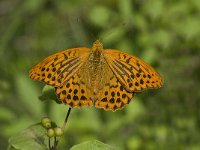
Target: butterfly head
pixel 97 46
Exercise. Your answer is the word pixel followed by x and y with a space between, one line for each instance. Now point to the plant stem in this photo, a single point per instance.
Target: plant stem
pixel 56 140
pixel 55 143
pixel 49 143
pixel 66 118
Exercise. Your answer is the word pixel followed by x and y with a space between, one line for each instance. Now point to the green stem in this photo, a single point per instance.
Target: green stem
pixel 56 140
pixel 49 143
pixel 66 118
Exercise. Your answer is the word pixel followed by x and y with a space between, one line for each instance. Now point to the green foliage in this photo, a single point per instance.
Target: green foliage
pixel 163 33
pixel 35 137
pixel 31 138
pixel 48 93
pixel 92 145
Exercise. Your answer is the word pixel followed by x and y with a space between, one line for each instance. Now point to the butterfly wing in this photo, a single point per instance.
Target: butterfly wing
pixel 132 72
pixel 109 93
pixel 113 96
pixel 59 67
pixel 74 92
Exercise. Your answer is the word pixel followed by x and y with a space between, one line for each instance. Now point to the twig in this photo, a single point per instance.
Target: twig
pixel 49 143
pixel 56 140
pixel 66 118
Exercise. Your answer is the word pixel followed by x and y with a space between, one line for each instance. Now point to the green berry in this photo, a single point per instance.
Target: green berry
pixel 46 122
pixel 58 131
pixel 50 132
pixel 47 125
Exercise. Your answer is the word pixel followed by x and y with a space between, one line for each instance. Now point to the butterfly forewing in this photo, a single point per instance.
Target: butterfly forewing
pixel 132 72
pixel 59 67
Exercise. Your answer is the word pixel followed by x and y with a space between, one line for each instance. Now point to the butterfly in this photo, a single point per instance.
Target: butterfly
pixel 105 78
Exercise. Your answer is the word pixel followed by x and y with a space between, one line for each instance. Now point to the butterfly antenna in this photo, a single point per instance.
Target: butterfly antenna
pixel 91 35
pixel 108 34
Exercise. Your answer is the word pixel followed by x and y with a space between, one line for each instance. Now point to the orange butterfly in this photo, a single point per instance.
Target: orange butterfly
pixel 106 78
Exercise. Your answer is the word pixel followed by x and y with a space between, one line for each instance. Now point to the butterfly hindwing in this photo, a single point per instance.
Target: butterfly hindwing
pixel 114 96
pixel 74 92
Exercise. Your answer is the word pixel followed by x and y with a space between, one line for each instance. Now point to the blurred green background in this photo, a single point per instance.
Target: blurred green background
pixel 165 33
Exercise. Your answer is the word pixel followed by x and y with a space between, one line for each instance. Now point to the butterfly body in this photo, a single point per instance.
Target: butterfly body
pixel 105 78
pixel 94 64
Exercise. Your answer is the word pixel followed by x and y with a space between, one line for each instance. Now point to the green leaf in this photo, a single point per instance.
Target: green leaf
pixel 48 93
pixel 31 138
pixel 92 145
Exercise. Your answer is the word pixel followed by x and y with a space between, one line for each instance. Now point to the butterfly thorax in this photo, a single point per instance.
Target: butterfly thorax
pixel 96 57
pixel 97 47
